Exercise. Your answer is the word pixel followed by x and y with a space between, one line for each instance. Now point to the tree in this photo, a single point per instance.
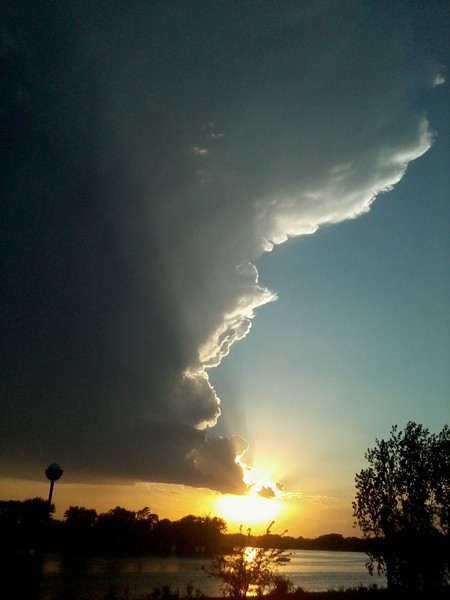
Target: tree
pixel 115 531
pixel 80 517
pixel 402 507
pixel 78 528
pixel 197 535
pixel 144 526
pixel 145 515
pixel 125 531
pixel 249 570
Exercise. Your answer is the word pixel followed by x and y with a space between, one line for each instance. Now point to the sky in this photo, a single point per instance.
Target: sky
pixel 225 251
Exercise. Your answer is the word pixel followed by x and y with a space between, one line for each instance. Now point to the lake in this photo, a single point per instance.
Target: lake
pixel 90 578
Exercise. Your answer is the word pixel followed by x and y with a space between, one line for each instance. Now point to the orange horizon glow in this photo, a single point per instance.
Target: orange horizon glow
pixel 301 515
pixel 248 510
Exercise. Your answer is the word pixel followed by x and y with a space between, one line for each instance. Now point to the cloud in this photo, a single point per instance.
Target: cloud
pixel 199 151
pixel 266 492
pixel 130 272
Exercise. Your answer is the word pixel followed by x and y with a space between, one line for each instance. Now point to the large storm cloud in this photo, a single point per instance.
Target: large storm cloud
pixel 152 153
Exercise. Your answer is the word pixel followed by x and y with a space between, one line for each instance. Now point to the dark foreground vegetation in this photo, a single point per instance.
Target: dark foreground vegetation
pixel 28 530
pixel 29 525
pixel 402 507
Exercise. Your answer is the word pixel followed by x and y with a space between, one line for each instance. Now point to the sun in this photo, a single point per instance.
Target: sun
pixel 259 506
pixel 248 510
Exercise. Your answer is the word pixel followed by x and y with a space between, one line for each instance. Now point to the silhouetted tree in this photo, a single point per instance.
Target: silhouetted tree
pixel 163 537
pixel 79 516
pixel 145 515
pixel 121 531
pixel 24 534
pixel 197 535
pixel 402 506
pixel 79 528
pixel 330 541
pixel 144 527
pixel 9 525
pixel 115 531
pixel 24 523
pixel 249 570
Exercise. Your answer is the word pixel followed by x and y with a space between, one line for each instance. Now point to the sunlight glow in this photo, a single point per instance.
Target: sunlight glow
pixel 247 510
pixel 260 482
pixel 250 554
pixel 261 505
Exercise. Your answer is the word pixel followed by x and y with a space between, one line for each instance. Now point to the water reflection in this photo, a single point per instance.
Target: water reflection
pixel 90 578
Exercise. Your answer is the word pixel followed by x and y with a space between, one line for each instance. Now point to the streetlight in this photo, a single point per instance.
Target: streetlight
pixel 53 473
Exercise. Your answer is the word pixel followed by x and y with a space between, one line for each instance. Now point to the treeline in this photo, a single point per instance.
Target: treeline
pixel 29 525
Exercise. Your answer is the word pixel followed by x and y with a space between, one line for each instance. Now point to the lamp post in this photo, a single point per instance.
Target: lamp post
pixel 53 472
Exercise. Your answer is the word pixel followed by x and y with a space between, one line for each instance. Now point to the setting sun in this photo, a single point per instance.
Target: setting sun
pixel 247 510
pixel 260 506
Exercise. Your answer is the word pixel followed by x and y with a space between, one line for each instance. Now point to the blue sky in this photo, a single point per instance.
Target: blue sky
pixel 358 339
pixel 363 306
pixel 153 159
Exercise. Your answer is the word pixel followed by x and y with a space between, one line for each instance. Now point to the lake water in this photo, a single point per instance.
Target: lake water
pixel 91 578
